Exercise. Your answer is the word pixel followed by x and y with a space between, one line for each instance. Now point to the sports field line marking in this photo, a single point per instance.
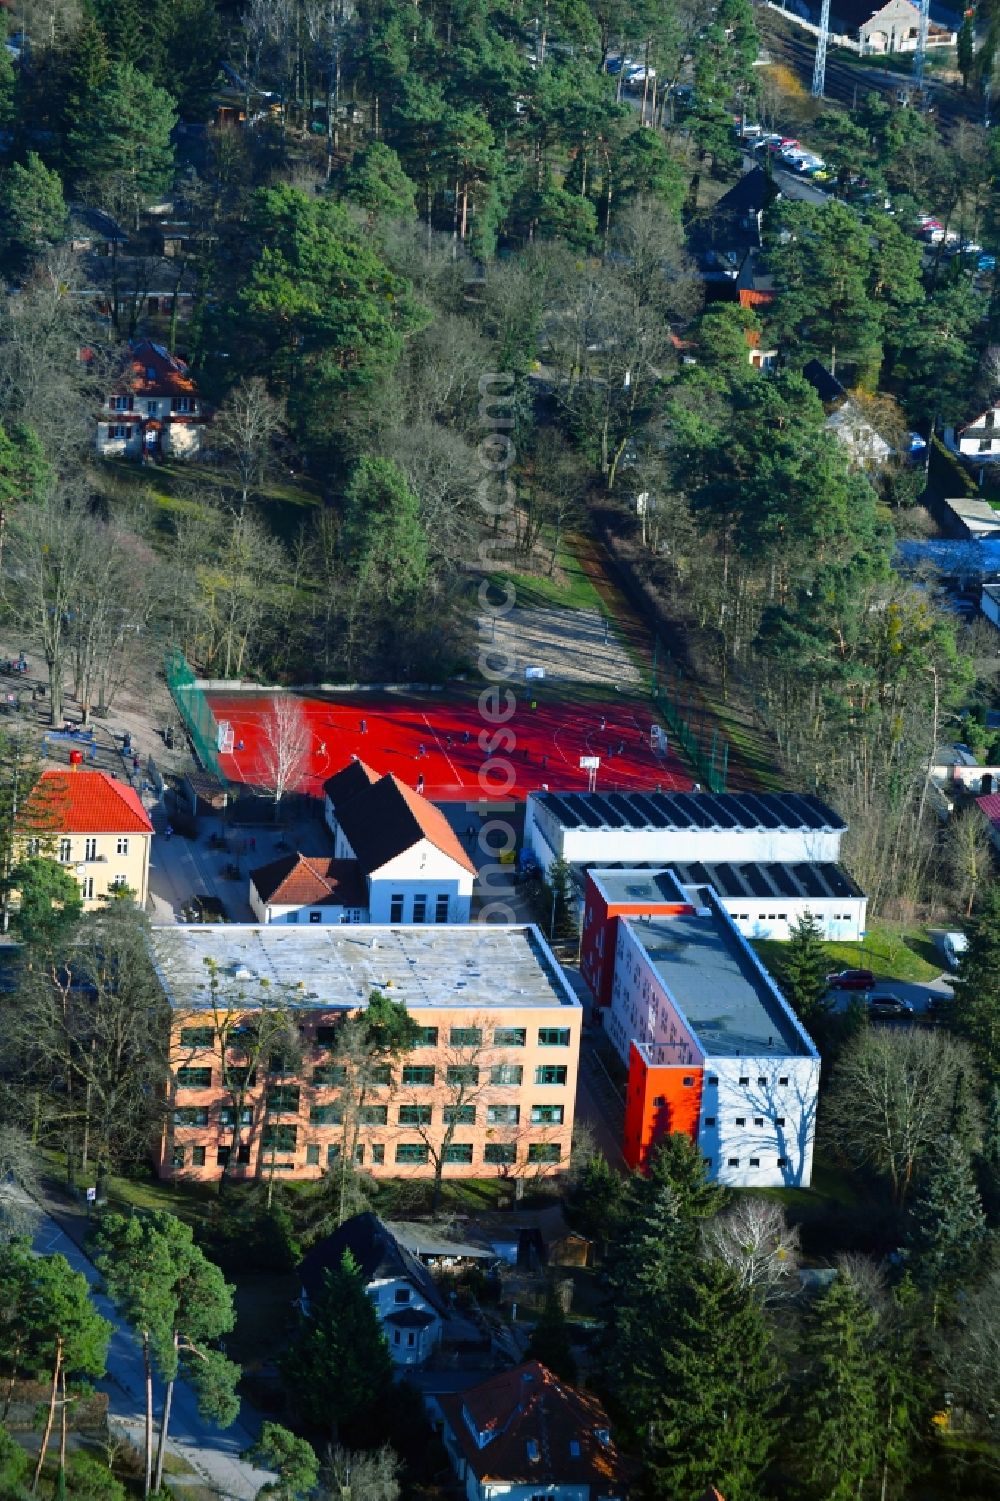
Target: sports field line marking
pixel 459 779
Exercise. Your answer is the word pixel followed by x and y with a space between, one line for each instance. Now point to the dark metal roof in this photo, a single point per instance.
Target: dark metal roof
pixel 770 880
pixel 690 810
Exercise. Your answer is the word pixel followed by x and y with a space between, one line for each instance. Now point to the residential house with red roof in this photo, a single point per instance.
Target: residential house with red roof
pixel 95 826
pixel 309 888
pixel 153 409
pixel 525 1434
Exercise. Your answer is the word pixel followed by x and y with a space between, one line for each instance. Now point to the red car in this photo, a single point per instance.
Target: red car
pixel 851 979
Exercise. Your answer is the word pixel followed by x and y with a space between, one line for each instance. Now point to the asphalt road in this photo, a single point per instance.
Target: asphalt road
pixel 213 1453
pixel 918 995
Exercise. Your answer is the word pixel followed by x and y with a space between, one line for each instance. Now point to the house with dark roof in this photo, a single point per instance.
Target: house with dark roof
pixel 413 862
pixel 525 1434
pixel 153 407
pixel 726 239
pixel 95 826
pixel 411 1310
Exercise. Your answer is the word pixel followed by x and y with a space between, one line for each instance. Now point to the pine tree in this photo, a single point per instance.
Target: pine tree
pixel 340 1369
pixel 32 207
pixel 714 1420
pixel 947 1224
pixel 550 1341
pixel 977 985
pixel 804 967
pixel 676 1163
pixel 560 902
pixel 652 1261
pixel 837 1423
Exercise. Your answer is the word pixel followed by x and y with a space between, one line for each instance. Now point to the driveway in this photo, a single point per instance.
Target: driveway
pixel 918 995
pixel 213 1453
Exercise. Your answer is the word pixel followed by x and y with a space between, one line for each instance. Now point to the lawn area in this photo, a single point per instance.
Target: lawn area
pixel 889 949
pixel 570 588
pixel 177 487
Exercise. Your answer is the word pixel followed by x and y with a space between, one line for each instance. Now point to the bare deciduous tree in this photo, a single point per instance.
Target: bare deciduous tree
pixel 284 752
pixel 19 1185
pixel 968 851
pixel 244 429
pixel 890 1099
pixel 754 1240
pixel 369 1476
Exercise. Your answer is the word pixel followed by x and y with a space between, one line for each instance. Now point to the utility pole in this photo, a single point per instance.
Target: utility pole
pixel 921 53
pixel 819 66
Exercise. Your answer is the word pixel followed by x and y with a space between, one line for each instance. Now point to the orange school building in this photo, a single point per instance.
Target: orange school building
pixel 489 1088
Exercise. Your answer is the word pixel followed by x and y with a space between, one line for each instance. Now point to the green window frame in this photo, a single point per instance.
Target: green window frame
pixel 544 1151
pixel 510 1037
pixel 553 1037
pixel 412 1152
pixel 197 1037
pixel 227 1115
pixel 414 1115
pixel 280 1138
pixel 547 1115
pixel 463 1073
pixel 418 1074
pixel 312 1155
pixel 326 1115
pixel 381 1073
pixel 426 1037
pixel 191 1115
pixel 500 1153
pixel 458 1152
pixel 503 1115
pixel 374 1115
pixel 460 1115
pixel 237 1078
pixel 466 1037
pixel 506 1073
pixel 329 1076
pixel 283 1099
pixel 550 1073
pixel 194 1078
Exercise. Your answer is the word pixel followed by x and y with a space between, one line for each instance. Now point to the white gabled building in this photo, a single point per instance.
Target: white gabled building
pixel 411 858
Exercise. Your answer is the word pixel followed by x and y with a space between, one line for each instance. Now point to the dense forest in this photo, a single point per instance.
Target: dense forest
pixel 417 197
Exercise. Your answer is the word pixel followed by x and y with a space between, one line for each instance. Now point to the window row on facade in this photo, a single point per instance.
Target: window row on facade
pixel 427 1037
pixel 742 1120
pixel 460 1075
pixel 406 1153
pixel 372 1115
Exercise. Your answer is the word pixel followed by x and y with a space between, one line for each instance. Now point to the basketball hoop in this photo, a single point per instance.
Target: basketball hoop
pixel 590 765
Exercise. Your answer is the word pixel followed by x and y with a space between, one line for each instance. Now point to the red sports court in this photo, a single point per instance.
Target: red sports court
pixel 542 744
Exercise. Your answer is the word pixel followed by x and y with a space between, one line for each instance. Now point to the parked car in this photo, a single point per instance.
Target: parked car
pixel 886 1007
pixel 940 1007
pixel 851 979
pixel 954 946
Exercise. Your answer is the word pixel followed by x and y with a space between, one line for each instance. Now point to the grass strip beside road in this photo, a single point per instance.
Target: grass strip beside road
pixel 890 950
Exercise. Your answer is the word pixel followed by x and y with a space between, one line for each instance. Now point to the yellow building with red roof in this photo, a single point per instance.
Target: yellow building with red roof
pixel 94 825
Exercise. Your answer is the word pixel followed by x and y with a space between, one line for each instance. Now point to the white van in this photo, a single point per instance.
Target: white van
pixel 954 946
